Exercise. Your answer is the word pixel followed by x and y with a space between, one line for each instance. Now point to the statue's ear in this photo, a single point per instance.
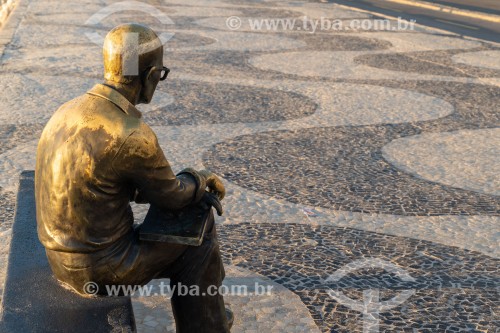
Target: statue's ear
pixel 147 74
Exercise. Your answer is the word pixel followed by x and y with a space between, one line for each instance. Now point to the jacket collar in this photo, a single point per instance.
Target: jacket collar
pixel 116 98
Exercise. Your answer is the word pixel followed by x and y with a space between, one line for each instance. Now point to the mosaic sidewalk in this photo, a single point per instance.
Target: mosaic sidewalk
pixel 362 166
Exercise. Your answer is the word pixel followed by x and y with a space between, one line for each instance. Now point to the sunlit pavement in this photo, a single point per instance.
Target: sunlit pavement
pixel 361 164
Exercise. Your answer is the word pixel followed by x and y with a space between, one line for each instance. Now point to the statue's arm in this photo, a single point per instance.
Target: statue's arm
pixel 141 162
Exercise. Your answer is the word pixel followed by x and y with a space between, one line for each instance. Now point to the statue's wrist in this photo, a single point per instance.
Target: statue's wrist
pixel 201 184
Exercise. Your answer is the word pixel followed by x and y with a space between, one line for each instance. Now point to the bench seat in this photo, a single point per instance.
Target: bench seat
pixel 34 301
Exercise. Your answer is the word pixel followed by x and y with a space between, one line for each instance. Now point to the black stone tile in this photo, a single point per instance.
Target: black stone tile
pixel 205 103
pixel 429 62
pixel 341 168
pixel 438 304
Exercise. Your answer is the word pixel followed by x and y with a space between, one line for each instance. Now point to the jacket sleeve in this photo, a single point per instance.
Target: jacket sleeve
pixel 141 162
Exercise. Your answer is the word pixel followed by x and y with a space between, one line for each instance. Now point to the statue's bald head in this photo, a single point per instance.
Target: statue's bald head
pixel 129 50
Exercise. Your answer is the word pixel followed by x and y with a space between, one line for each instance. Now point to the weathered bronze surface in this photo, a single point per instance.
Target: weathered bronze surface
pixel 95 156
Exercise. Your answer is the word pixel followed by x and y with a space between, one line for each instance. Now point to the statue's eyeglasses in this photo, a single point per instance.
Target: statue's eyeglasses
pixel 164 73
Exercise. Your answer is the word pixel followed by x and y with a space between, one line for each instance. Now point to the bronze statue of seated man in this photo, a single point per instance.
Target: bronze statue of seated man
pixel 95 156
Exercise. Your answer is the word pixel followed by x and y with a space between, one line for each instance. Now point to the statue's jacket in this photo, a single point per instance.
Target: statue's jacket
pixel 94 157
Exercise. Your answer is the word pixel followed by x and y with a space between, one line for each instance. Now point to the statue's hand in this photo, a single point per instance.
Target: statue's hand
pixel 213 183
pixel 212 200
